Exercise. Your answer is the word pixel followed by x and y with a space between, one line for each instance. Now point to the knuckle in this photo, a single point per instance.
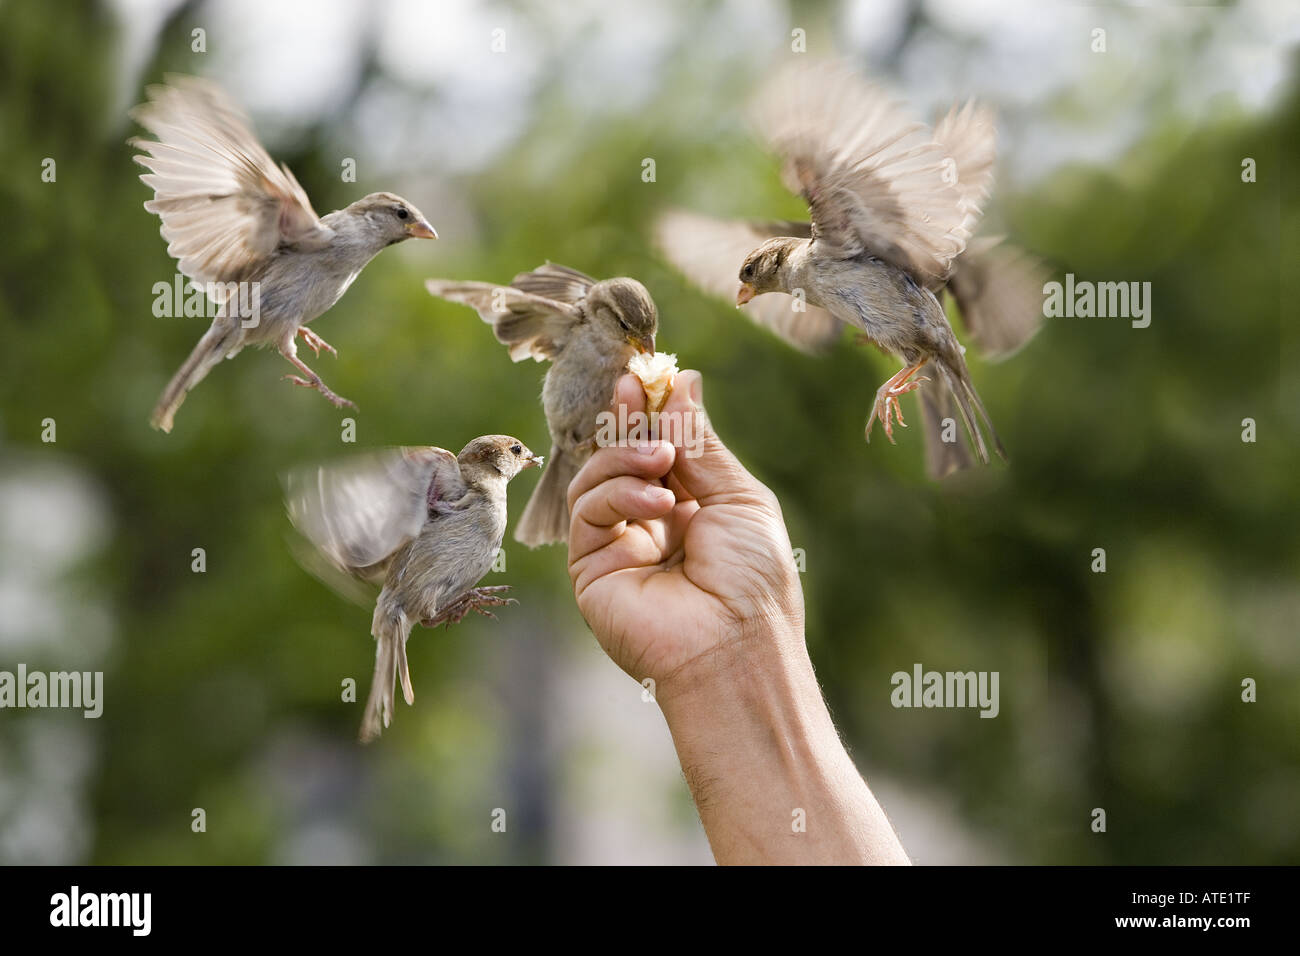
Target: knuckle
pixel 581 505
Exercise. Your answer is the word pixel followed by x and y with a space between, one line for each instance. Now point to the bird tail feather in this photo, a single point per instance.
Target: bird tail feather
pixel 957 379
pixel 216 344
pixel 391 629
pixel 546 517
pixel 942 458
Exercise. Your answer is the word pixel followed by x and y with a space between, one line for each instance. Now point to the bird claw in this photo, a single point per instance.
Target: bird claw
pixel 475 599
pixel 315 342
pixel 494 589
pixel 338 401
pixel 887 406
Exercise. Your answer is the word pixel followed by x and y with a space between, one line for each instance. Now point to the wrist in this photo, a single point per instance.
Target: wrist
pixel 766 768
pixel 756 671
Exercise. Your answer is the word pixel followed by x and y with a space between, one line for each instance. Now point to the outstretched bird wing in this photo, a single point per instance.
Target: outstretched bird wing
pixel 999 292
pixel 875 180
pixel 710 253
pixel 224 203
pixel 533 316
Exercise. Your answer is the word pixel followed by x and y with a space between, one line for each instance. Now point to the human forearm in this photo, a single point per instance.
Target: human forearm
pixel 771 780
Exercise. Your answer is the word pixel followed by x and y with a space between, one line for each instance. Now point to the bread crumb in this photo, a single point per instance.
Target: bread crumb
pixel 656 372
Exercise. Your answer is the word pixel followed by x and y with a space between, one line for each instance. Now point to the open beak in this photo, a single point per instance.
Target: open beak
pixel 421 230
pixel 537 460
pixel 646 344
pixel 745 293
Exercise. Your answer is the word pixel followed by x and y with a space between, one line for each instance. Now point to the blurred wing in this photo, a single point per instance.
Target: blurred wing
pixel 360 586
pixel 874 180
pixel 225 205
pixel 359 512
pixel 968 136
pixel 710 253
pixel 999 290
pixel 529 325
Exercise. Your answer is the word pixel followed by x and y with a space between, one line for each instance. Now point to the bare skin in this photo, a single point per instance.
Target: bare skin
pixel 682 566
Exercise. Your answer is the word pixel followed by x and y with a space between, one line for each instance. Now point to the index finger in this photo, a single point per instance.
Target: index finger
pixel 629 400
pixel 648 460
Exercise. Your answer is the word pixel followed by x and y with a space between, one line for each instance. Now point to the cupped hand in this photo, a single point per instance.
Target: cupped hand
pixel 675 550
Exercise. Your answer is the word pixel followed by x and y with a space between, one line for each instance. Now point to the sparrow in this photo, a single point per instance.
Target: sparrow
pixel 423 524
pixel 243 229
pixel 893 208
pixel 588 331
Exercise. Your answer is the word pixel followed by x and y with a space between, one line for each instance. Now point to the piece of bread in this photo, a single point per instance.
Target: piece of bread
pixel 656 372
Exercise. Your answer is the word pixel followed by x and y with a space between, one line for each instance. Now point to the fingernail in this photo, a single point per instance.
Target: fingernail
pixel 647 447
pixel 697 391
pixel 657 494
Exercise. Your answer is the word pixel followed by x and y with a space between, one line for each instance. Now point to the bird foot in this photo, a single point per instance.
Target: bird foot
pixel 315 342
pixel 475 599
pixel 887 406
pixel 337 400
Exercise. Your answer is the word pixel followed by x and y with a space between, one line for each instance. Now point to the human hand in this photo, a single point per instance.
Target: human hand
pixel 675 550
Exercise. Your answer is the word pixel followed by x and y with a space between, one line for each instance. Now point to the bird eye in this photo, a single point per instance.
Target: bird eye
pixel 402 213
pixel 624 326
pixel 748 271
pixel 517 449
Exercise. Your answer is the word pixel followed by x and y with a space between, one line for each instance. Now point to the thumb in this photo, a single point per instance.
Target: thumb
pixel 704 466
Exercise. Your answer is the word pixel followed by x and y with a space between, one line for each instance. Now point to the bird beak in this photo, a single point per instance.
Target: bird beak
pixel 646 344
pixel 537 460
pixel 421 230
pixel 745 293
